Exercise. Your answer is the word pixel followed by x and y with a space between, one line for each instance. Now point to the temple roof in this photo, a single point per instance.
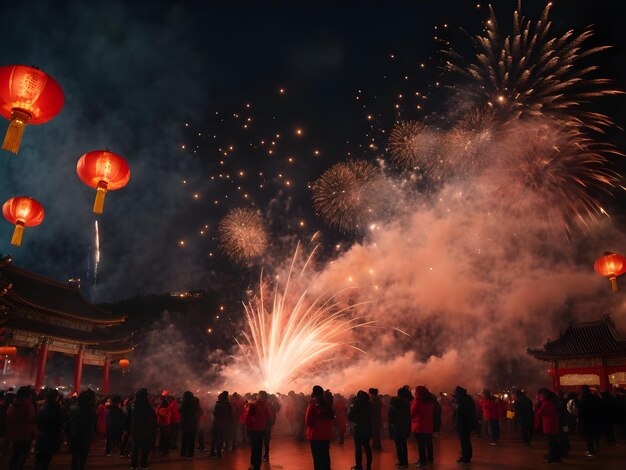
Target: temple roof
pixel 23 289
pixel 584 340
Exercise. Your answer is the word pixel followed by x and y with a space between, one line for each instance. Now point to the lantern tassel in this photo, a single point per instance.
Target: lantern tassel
pixel 614 287
pixel 101 191
pixel 16 240
pixel 13 137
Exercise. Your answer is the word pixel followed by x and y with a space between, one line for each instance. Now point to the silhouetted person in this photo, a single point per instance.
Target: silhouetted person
pixel 142 420
pixel 257 414
pixel 20 427
pixel 83 422
pixel 399 416
pixel 464 422
pixel 164 417
pixel 422 423
pixel 273 408
pixel 491 415
pixel 222 417
pixel 49 430
pixel 608 413
pixel 524 416
pixel 360 414
pixel 114 419
pixel 588 418
pixel 319 427
pixel 377 406
pixel 189 415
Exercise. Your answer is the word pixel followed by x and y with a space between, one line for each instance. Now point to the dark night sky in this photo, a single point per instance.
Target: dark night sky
pixel 134 73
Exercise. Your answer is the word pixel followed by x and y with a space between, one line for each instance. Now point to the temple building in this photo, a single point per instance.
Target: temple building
pixel 590 353
pixel 46 316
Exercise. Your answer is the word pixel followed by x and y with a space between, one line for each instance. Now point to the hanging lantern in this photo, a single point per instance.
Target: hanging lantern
pixel 611 265
pixel 27 96
pixel 104 171
pixel 23 212
pixel 8 350
pixel 124 363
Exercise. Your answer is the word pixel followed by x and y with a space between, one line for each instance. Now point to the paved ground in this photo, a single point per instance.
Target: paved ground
pixel 290 455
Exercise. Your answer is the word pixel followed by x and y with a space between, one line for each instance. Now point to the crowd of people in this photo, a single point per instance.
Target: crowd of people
pixel 143 424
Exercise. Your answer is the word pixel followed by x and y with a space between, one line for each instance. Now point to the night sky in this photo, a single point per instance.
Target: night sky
pixel 172 86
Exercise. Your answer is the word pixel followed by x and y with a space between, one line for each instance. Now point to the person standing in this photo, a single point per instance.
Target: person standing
pixel 222 417
pixel 360 414
pixel 20 427
pixel 341 421
pixel 256 418
pixel 273 407
pixel 318 421
pixel 377 406
pixel 174 422
pixel 491 415
pixel 547 420
pixel 83 425
pixel 422 424
pixel 142 420
pixel 189 415
pixel 524 415
pixel 588 419
pixel 163 417
pixel 49 430
pixel 114 419
pixel 399 416
pixel 464 418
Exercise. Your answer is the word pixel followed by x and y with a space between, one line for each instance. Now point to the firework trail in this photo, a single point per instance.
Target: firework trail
pixel 242 234
pixel 96 252
pixel 350 195
pixel 533 73
pixel 297 332
pixel 550 174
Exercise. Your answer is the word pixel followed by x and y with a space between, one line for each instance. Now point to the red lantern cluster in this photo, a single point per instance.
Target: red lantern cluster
pixel 8 350
pixel 23 212
pixel 104 171
pixel 611 265
pixel 27 96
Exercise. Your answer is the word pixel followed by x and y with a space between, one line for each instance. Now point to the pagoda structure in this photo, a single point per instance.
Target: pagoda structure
pixel 47 316
pixel 590 353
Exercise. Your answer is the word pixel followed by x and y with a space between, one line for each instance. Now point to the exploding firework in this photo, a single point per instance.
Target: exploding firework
pixel 533 73
pixel 553 175
pixel 412 145
pixel 350 195
pixel 242 234
pixel 296 333
pixel 469 140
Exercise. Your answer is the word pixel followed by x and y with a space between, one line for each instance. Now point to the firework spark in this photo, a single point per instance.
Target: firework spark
pixel 297 333
pixel 551 174
pixel 350 195
pixel 411 144
pixel 534 73
pixel 242 234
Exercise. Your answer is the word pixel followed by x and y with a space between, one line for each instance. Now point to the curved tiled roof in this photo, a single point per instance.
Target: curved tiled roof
pixel 584 340
pixel 32 291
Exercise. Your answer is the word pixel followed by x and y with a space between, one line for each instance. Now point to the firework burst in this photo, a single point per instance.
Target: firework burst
pixel 533 73
pixel 242 234
pixel 350 195
pixel 296 333
pixel 551 174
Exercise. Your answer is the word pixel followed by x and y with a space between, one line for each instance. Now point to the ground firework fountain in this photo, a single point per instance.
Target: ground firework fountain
pixel 296 331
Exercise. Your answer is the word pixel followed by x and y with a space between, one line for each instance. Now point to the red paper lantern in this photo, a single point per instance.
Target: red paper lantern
pixel 124 363
pixel 8 350
pixel 27 96
pixel 23 212
pixel 104 171
pixel 611 265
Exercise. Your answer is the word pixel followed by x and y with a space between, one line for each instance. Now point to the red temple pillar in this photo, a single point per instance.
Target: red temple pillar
pixel 107 369
pixel 556 378
pixel 604 377
pixel 78 370
pixel 42 356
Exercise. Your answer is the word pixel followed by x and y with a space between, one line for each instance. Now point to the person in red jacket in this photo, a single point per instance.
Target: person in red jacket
pixel 174 422
pixel 547 420
pixel 422 410
pixel 491 415
pixel 257 416
pixel 164 417
pixel 20 426
pixel 341 419
pixel 319 427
